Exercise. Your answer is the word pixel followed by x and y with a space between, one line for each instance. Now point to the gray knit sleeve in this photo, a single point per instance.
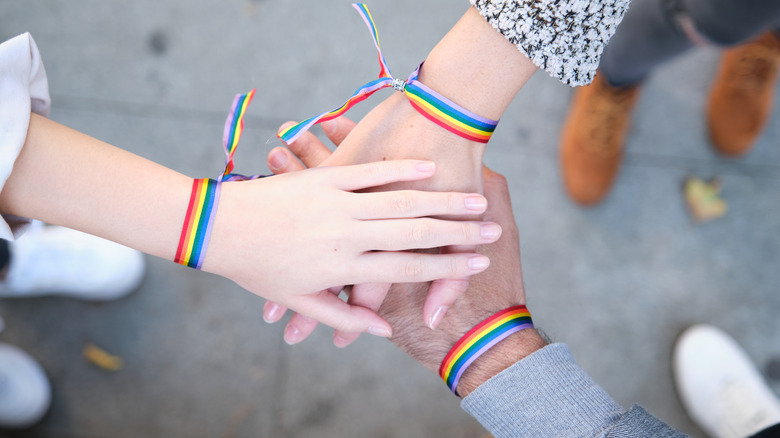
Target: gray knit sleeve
pixel 563 37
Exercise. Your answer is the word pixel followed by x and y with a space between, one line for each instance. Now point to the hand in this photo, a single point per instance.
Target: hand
pixel 306 232
pixel 471 53
pixel 313 153
pixel 499 287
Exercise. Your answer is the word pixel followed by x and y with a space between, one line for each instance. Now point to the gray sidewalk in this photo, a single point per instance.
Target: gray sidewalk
pixel 617 283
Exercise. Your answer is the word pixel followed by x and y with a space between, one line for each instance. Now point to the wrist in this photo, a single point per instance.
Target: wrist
pixel 502 356
pixel 228 218
pixel 405 133
pixel 476 67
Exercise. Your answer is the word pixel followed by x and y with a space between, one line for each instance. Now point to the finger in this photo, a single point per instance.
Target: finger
pixel 337 129
pixel 273 312
pixel 301 327
pixel 379 173
pixel 409 267
pixel 441 296
pixel 298 328
pixel 308 148
pixel 280 160
pixel 370 296
pixel 331 311
pixel 405 234
pixel 412 203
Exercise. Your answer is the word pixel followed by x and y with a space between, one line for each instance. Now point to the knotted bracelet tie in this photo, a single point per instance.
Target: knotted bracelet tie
pixel 204 198
pixel 429 103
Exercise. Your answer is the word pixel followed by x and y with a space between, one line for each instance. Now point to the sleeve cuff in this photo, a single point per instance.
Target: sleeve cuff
pixel 545 394
pixel 23 89
pixel 563 37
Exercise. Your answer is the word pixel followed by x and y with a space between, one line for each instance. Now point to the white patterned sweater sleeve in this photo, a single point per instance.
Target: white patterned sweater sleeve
pixel 563 37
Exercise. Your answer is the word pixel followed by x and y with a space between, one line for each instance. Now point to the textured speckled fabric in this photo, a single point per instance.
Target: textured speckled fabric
pixel 563 37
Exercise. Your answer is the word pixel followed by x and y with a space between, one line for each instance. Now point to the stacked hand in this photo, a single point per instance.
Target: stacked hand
pixel 340 236
pixel 499 287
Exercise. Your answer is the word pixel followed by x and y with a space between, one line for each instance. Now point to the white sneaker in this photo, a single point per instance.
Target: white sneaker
pixel 720 387
pixel 51 260
pixel 25 393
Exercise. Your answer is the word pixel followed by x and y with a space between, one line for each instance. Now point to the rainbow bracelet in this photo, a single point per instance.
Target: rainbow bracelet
pixel 196 231
pixel 429 103
pixel 202 208
pixel 479 340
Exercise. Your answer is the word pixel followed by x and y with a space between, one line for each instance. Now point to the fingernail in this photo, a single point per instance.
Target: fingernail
pixel 272 313
pixel 476 203
pixel 437 316
pixel 339 341
pixel 479 263
pixel 330 126
pixel 292 335
pixel 277 160
pixel 491 231
pixel 380 331
pixel 426 167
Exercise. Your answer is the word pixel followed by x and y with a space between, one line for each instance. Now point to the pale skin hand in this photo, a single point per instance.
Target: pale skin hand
pixel 475 67
pixel 499 287
pixel 264 229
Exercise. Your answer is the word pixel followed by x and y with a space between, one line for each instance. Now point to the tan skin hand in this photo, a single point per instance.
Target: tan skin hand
pixel 499 287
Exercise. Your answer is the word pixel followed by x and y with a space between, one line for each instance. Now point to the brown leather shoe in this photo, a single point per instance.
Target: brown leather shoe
pixel 742 94
pixel 592 139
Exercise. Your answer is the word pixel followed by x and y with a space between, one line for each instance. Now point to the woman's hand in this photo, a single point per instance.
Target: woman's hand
pixel 291 237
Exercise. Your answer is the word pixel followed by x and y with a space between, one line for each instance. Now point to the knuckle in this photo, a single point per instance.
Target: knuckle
pixel 301 147
pixel 452 202
pixel 413 269
pixel 468 231
pixel 343 325
pixel 403 203
pixel 420 232
pixel 374 169
pixel 454 266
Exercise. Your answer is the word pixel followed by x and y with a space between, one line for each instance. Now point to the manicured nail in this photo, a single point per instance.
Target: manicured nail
pixel 278 160
pixel 426 167
pixel 479 263
pixel 491 231
pixel 330 126
pixel 339 341
pixel 437 316
pixel 272 313
pixel 380 331
pixel 476 203
pixel 292 335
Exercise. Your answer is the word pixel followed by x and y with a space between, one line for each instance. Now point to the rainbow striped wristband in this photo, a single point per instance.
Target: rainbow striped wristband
pixel 429 103
pixel 479 340
pixel 196 230
pixel 202 209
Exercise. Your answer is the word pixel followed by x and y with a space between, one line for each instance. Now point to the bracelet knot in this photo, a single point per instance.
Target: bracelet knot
pixel 399 85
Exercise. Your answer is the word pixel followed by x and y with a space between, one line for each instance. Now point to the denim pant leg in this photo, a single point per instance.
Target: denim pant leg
pixel 651 34
pixel 5 254
pixel 772 432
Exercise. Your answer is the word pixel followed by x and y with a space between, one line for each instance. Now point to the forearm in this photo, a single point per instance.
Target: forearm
pixel 545 394
pixel 67 178
pixel 476 67
pixel 473 66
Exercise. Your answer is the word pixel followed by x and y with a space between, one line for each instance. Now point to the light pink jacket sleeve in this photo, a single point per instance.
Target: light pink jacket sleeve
pixel 23 89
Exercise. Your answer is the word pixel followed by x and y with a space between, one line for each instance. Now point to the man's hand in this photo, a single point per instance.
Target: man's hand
pixel 499 287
